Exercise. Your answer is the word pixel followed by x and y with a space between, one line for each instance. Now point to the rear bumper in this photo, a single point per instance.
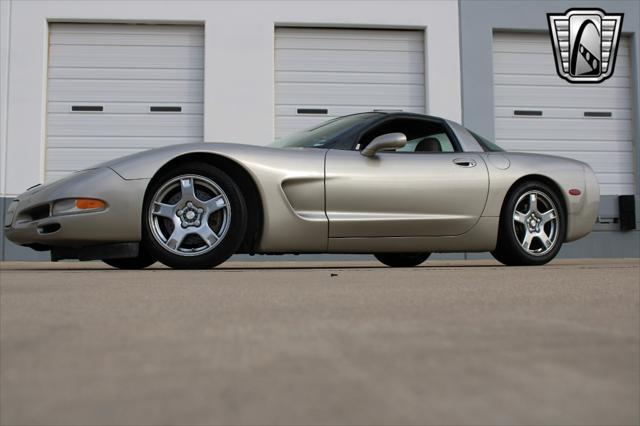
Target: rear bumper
pixel 119 221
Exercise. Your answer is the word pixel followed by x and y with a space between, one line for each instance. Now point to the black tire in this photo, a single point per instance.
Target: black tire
pixel 140 262
pixel 511 234
pixel 402 260
pixel 225 246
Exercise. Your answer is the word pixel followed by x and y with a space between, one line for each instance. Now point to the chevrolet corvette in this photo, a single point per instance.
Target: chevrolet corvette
pixel 393 184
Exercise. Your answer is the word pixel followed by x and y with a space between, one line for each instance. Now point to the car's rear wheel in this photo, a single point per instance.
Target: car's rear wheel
pixel 402 260
pixel 194 217
pixel 532 226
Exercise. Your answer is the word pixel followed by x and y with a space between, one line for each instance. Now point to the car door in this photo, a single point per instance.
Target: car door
pixel 404 193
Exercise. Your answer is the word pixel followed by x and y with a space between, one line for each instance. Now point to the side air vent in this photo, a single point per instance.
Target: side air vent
pixel 49 229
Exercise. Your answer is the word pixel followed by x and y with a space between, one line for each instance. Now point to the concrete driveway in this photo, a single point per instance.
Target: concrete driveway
pixel 311 343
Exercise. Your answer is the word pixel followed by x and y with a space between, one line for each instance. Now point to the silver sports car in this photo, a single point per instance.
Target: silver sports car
pixel 393 184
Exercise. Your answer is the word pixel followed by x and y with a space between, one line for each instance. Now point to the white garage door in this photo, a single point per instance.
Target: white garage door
pixel 117 89
pixel 322 73
pixel 537 111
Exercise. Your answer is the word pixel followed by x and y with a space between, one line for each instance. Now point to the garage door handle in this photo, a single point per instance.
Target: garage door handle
pixel 528 112
pixel 323 111
pixel 597 114
pixel 465 162
pixel 87 108
pixel 165 109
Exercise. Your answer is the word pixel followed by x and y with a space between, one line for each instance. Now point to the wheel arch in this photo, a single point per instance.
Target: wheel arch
pixel 241 176
pixel 547 181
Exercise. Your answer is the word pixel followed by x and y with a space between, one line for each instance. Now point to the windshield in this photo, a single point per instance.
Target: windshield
pixel 321 135
pixel 486 144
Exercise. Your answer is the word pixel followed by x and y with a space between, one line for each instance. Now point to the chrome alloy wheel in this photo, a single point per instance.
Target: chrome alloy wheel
pixel 189 215
pixel 535 222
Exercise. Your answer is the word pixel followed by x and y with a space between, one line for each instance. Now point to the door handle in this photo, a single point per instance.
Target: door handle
pixel 465 162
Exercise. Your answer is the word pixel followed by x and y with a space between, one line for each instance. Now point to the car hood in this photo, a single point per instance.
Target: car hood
pixel 143 165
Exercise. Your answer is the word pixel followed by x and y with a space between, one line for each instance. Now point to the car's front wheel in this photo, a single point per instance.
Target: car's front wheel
pixel 532 226
pixel 402 260
pixel 194 217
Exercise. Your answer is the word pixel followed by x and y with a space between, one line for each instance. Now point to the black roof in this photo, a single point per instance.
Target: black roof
pixel 400 113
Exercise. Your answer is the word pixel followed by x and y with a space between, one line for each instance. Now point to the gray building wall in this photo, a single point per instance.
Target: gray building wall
pixel 478 20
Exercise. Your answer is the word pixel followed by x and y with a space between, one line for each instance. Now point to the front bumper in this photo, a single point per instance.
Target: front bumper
pixel 32 223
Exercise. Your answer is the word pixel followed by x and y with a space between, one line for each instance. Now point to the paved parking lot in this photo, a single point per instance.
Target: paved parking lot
pixel 313 343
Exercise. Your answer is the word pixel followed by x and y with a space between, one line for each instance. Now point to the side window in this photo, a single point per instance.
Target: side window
pixel 423 136
pixel 437 142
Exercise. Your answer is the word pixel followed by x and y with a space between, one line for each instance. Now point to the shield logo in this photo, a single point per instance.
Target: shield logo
pixel 585 43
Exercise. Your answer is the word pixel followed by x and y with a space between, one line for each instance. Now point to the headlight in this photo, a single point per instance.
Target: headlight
pixel 77 205
pixel 11 212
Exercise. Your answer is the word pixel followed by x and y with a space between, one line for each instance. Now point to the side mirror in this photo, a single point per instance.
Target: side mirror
pixel 384 142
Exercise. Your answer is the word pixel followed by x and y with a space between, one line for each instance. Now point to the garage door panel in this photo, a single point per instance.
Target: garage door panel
pixel 553 81
pixel 126 73
pixel 350 94
pixel 86 29
pixel 345 71
pixel 614 189
pixel 522 44
pixel 577 126
pixel 599 98
pixel 352 44
pixel 532 128
pixel 125 70
pixel 353 61
pixel 551 145
pixel 541 63
pixel 525 79
pixel 613 178
pixel 542 133
pixel 372 77
pixel 126 108
pixel 129 141
pixel 522 63
pixel 329 34
pixel 124 125
pixel 132 56
pixel 572 112
pixel 616 182
pixel 195 39
pixel 125 90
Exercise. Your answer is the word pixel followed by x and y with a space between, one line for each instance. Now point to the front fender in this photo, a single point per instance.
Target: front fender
pixel 290 183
